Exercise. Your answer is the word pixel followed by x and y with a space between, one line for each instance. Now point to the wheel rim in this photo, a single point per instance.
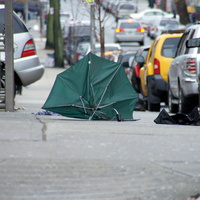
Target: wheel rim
pixel 170 99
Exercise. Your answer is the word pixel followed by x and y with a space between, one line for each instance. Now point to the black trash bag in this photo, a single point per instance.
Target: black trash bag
pixel 192 118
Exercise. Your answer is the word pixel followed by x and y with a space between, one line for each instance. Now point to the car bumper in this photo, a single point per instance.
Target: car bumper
pixel 28 69
pixel 123 38
pixel 158 85
pixel 189 87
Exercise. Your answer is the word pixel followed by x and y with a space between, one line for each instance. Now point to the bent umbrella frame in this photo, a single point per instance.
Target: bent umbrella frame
pixel 94 88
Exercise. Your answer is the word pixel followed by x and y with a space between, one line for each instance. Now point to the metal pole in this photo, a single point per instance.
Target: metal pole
pixel 92 27
pixel 9 56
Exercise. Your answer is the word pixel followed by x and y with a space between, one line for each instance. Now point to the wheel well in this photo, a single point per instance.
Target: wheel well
pixel 17 79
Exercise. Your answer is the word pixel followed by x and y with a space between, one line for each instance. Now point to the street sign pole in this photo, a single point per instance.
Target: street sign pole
pixel 92 24
pixel 9 71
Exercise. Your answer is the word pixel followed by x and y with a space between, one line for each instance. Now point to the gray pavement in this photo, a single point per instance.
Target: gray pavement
pixel 58 158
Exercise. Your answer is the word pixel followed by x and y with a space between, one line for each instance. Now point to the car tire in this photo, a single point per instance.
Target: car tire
pixel 185 105
pixel 153 102
pixel 142 43
pixel 173 108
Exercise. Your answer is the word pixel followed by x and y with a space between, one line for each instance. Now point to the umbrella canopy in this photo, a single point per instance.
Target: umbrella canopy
pixel 93 88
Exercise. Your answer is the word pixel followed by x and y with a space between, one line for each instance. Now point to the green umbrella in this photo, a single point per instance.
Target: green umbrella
pixel 93 88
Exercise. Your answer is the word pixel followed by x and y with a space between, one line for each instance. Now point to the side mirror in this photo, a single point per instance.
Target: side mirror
pixel 139 59
pixel 195 42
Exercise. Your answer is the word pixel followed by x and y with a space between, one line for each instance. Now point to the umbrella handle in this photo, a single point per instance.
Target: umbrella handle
pixel 117 115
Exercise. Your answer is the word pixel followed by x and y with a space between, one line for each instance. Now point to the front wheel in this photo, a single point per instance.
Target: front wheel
pixel 186 105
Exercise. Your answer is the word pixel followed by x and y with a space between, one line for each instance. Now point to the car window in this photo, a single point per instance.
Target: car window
pixel 182 44
pixel 80 30
pixel 19 26
pixel 144 53
pixel 158 13
pixel 149 14
pixel 169 47
pixel 125 58
pixel 83 47
pixel 168 22
pixel 107 48
pixel 127 7
pixel 129 25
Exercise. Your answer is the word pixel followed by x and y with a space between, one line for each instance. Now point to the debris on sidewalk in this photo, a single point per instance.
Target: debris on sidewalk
pixel 46 112
pixel 192 118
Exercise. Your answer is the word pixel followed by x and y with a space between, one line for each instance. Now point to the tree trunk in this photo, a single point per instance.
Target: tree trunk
pixel 101 28
pixel 50 34
pixel 58 36
pixel 181 8
pixel 102 41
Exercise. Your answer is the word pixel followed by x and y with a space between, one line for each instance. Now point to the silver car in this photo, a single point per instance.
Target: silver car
pixel 128 30
pixel 183 87
pixel 164 25
pixel 27 66
pixel 124 10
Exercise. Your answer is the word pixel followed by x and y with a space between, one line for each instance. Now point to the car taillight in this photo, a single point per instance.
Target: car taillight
pixel 156 66
pixel 142 30
pixel 137 70
pixel 78 55
pixel 29 49
pixel 190 65
pixel 118 30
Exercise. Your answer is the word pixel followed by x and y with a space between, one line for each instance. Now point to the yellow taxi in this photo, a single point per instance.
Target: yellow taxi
pixel 154 73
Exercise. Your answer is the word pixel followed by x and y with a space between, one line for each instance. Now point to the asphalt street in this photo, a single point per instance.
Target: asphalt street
pixel 45 157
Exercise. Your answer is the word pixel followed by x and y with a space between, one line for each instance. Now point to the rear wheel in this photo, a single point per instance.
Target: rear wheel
pixel 173 108
pixel 153 102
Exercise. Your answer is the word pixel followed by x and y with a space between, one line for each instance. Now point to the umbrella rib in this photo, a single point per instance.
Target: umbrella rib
pixel 83 104
pixel 115 102
pixel 104 92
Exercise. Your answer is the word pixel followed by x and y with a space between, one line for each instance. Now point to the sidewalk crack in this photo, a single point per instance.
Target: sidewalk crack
pixel 44 128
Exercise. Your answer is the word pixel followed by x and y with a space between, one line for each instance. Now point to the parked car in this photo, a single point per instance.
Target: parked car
pixel 154 72
pixel 128 30
pixel 27 66
pixel 184 73
pixel 79 53
pixel 148 15
pixel 124 10
pixel 77 32
pixel 164 25
pixel 65 20
pixel 135 67
pixel 124 58
pixel 108 47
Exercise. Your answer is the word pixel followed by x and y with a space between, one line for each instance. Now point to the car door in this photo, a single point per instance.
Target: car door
pixel 144 71
pixel 176 65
